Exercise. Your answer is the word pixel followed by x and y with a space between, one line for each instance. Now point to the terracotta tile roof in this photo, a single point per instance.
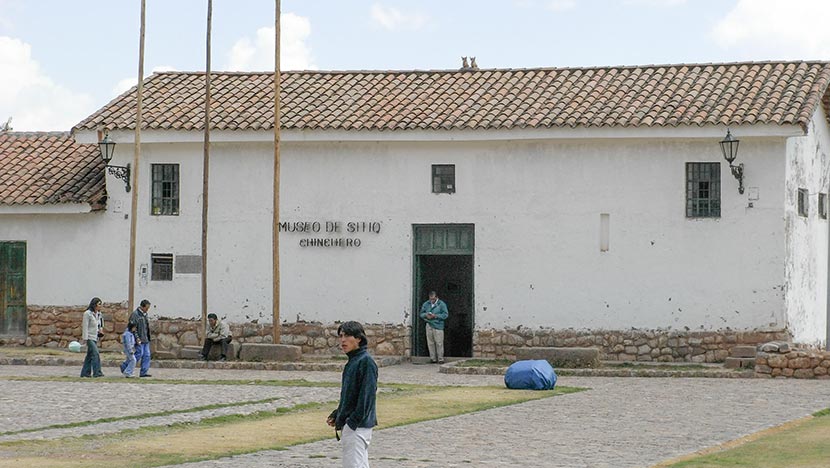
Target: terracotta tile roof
pixel 647 96
pixel 41 168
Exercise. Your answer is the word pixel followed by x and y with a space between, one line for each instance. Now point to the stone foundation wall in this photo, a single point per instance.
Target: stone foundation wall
pixel 782 360
pixel 54 327
pixel 629 345
pixel 57 326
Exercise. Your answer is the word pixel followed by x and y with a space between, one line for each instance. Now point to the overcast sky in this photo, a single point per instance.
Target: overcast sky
pixel 60 60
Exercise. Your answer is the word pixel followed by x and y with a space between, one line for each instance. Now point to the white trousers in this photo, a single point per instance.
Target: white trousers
pixel 356 446
pixel 435 343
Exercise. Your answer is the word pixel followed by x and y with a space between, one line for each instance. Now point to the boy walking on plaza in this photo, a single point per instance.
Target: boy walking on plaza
pixel 355 415
pixel 128 340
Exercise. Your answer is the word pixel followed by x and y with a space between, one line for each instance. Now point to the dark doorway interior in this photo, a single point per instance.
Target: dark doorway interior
pixel 451 276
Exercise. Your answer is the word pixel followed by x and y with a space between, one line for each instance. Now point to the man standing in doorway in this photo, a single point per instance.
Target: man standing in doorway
pixel 434 312
pixel 142 333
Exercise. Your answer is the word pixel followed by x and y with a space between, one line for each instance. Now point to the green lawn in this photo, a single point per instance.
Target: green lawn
pixel 803 443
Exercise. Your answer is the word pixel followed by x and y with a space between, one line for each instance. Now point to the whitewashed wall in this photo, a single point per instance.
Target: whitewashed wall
pixel 239 238
pixel 535 204
pixel 808 167
pixel 536 208
pixel 71 258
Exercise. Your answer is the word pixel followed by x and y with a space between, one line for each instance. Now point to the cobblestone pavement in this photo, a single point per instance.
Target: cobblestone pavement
pixel 620 422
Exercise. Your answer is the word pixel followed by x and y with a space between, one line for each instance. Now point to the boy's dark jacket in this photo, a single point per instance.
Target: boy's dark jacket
pixel 357 392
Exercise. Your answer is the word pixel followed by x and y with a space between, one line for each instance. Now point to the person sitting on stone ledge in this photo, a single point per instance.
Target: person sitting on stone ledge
pixel 218 332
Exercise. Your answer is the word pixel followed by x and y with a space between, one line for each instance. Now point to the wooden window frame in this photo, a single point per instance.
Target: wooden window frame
pixel 161 267
pixel 164 189
pixel 443 178
pixel 703 190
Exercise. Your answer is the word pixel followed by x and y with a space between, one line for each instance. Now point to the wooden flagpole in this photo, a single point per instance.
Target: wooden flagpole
pixel 275 228
pixel 136 157
pixel 206 170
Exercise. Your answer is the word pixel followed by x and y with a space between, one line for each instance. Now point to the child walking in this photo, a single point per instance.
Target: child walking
pixel 128 339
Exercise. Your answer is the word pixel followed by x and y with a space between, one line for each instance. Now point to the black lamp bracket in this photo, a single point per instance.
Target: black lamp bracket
pixel 123 173
pixel 737 172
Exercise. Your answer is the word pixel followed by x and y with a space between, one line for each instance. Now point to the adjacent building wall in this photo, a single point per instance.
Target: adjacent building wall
pixel 808 167
pixel 71 258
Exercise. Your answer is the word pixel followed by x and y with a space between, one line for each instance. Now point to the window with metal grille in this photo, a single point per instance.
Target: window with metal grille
pixel 803 202
pixel 703 190
pixel 165 190
pixel 443 178
pixel 822 205
pixel 162 267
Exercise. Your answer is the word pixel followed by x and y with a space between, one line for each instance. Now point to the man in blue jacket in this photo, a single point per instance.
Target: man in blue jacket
pixel 142 333
pixel 435 312
pixel 355 415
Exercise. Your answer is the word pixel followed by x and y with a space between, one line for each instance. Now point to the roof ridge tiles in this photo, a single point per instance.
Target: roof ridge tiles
pixel 490 70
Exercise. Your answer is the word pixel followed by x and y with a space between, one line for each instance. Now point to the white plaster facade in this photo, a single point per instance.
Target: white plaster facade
pixel 808 167
pixel 535 198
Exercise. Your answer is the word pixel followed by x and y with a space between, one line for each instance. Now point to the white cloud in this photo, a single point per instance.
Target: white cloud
pixel 561 5
pixel 32 99
pixel 655 3
pixel 771 29
pixel 127 83
pixel 394 19
pixel 258 54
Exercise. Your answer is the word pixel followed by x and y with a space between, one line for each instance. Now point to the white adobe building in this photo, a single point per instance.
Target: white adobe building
pixel 592 199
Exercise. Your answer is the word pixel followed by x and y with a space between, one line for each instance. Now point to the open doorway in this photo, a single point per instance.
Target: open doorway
pixel 445 266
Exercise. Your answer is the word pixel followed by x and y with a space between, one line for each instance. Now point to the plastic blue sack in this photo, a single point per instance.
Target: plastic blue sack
pixel 530 375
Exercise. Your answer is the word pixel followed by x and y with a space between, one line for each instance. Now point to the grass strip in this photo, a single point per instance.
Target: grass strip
pixel 232 435
pixel 141 416
pixel 803 443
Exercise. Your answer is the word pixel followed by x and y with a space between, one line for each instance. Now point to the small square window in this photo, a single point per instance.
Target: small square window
pixel 443 178
pixel 703 190
pixel 165 189
pixel 803 202
pixel 822 205
pixel 162 267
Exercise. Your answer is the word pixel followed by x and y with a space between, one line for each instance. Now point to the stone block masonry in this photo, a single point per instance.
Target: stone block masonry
pixel 54 327
pixel 782 360
pixel 51 326
pixel 628 345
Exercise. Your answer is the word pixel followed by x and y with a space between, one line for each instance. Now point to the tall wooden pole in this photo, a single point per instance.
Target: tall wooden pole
pixel 206 170
pixel 136 156
pixel 275 229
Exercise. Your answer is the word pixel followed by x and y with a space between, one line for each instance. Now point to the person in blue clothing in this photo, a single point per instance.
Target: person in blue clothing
pixel 435 312
pixel 128 340
pixel 356 415
pixel 142 334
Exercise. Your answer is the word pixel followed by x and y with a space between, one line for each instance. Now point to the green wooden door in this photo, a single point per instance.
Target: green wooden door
pixel 13 288
pixel 443 262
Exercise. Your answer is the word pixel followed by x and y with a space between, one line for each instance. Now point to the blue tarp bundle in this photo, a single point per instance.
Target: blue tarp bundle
pixel 530 375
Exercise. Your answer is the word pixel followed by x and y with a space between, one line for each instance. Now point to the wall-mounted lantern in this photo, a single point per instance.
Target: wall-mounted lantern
pixel 107 148
pixel 729 147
